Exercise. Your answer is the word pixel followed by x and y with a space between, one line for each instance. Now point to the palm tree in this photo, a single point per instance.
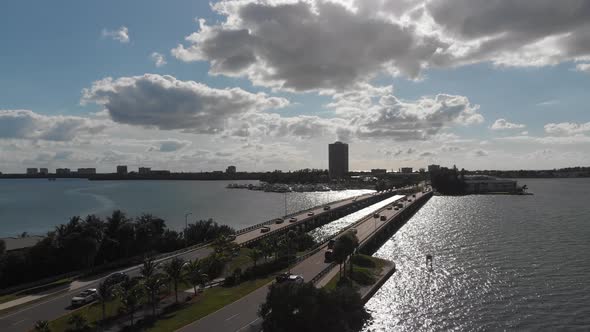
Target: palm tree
pixel 130 294
pixel 194 273
pixel 42 326
pixel 255 255
pixel 267 249
pixel 152 286
pixel 105 292
pixel 148 268
pixel 173 269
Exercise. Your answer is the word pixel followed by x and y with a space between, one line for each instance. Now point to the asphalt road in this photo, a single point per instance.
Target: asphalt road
pixel 24 319
pixel 242 315
pixel 54 307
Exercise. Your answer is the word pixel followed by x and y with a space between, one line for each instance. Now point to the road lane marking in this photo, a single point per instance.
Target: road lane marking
pixel 247 325
pixel 232 317
pixel 20 321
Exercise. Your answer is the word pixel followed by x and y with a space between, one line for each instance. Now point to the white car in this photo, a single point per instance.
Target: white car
pixel 295 278
pixel 85 297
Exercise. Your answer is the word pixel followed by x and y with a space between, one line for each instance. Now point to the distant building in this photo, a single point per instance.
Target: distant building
pixel 32 171
pixel 433 168
pixel 160 172
pixel 231 170
pixel 43 171
pixel 481 184
pixel 338 160
pixel 406 170
pixel 63 171
pixel 144 170
pixel 122 170
pixel 86 171
pixel 378 171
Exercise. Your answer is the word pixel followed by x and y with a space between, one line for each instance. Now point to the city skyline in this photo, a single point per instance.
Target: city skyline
pixel 430 82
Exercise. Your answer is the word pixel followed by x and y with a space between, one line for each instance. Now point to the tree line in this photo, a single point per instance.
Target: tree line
pixel 86 243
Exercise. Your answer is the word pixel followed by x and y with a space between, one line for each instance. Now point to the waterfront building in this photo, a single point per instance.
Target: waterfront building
pixel 433 168
pixel 160 172
pixel 231 170
pixel 32 171
pixel 481 184
pixel 406 170
pixel 43 171
pixel 122 170
pixel 86 171
pixel 378 171
pixel 338 160
pixel 144 170
pixel 62 171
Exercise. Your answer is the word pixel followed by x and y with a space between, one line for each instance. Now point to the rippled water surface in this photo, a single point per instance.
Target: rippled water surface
pixel 36 206
pixel 500 262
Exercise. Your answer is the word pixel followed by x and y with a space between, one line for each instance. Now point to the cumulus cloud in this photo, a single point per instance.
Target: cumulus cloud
pixel 583 67
pixel 480 153
pixel 306 46
pixel 121 35
pixel 503 124
pixel 26 124
pixel 567 128
pixel 158 59
pixel 393 118
pixel 167 103
pixel 320 44
pixel 514 33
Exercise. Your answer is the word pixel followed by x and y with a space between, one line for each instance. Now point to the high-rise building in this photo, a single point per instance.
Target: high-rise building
pixel 122 170
pixel 86 171
pixel 406 170
pixel 62 171
pixel 144 170
pixel 43 171
pixel 338 160
pixel 32 171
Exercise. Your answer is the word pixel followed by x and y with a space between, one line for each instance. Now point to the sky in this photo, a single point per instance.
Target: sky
pixel 268 84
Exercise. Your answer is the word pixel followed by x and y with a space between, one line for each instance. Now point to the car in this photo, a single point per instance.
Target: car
pixel 295 278
pixel 390 207
pixel 282 277
pixel 376 215
pixel 329 255
pixel 116 278
pixel 327 207
pixel 85 297
pixel 231 237
pixel 354 230
pixel 383 218
pixel 310 213
pixel 279 221
pixel 293 219
pixel 396 209
pixel 409 200
pixel 264 229
pixel 414 195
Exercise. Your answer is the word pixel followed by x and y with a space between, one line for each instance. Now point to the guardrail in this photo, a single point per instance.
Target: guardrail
pixel 283 229
pixel 249 228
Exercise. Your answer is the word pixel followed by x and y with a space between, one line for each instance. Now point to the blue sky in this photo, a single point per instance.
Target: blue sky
pixel 292 101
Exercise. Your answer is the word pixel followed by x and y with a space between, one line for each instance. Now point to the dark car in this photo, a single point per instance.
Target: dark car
pixel 293 219
pixel 329 255
pixel 279 221
pixel 331 244
pixel 383 218
pixel 327 207
pixel 116 278
pixel 376 215
pixel 264 229
pixel 282 277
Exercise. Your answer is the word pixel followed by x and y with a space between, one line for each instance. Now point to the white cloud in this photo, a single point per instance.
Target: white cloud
pixel 503 124
pixel 121 35
pixel 567 128
pixel 158 59
pixel 168 103
pixel 583 67
pixel 170 145
pixel 26 124
pixel 304 46
pixel 549 102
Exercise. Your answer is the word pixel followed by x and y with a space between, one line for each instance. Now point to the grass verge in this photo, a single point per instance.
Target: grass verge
pixel 92 313
pixel 365 272
pixel 209 301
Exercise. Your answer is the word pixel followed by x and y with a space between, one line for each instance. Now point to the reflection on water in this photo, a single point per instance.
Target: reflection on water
pixel 500 262
pixel 320 234
pixel 36 206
